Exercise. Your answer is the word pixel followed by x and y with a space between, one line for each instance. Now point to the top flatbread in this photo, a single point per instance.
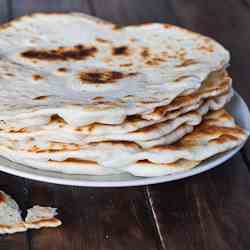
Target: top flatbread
pixel 98 72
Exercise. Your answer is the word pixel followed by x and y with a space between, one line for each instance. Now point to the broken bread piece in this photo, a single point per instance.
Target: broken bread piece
pixel 38 217
pixel 10 215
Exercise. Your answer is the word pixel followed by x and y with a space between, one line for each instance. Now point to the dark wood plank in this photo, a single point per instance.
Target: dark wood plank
pixel 24 7
pixel 133 12
pixel 208 211
pixel 94 218
pixel 4 10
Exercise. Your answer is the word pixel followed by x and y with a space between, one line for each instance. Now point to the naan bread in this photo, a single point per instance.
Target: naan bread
pixel 146 168
pixel 106 100
pixel 10 215
pixel 217 133
pixel 38 217
pixel 218 84
pixel 99 73
pixel 165 132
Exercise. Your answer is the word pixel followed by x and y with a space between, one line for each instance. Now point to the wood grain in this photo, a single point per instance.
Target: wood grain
pixel 205 211
pixel 133 12
pixel 4 10
pixel 94 218
pixel 24 7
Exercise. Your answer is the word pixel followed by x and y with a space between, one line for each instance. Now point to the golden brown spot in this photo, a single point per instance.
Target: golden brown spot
pixel 2 198
pixel 45 221
pixel 181 54
pixel 116 27
pixel 148 128
pixel 89 128
pixel 35 149
pixel 9 74
pixel 75 160
pixel 133 40
pixel 78 52
pixel 103 76
pixel 226 116
pixel 55 147
pixel 155 61
pixel 224 138
pixel 20 130
pixel 122 50
pixel 160 111
pixel 42 97
pixel 206 46
pixel 205 128
pixel 145 53
pixel 57 119
pixel 107 60
pixel 144 161
pixel 133 118
pixel 186 62
pixel 173 147
pixel 98 98
pixel 126 65
pixel 123 143
pixel 37 77
pixel 181 78
pixel 62 70
pixel 101 40
pixel 6 226
pixel 167 26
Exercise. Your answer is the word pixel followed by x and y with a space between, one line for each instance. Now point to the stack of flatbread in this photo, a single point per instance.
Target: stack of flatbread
pixel 82 96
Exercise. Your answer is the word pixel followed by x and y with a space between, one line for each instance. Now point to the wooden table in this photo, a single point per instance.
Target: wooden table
pixel 208 211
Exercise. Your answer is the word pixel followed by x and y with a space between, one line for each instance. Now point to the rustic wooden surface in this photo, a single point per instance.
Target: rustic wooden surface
pixel 209 211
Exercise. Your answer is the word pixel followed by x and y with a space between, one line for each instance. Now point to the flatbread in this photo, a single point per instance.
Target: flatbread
pixel 219 84
pixel 165 132
pixel 217 133
pixel 146 168
pixel 10 215
pixel 38 217
pixel 100 73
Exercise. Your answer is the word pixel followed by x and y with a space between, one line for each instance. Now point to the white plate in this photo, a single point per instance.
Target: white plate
pixel 237 108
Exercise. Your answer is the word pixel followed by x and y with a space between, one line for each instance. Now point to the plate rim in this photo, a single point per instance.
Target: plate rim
pixel 205 166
